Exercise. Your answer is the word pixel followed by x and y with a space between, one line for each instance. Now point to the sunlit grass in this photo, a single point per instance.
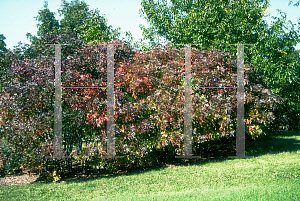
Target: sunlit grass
pixel 273 174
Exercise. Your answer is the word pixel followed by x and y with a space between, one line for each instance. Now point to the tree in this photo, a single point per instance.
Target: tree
pixel 77 19
pixel 210 23
pixel 95 29
pixel 216 24
pixel 3 59
pixel 47 22
pixel 74 15
pixel 2 43
pixel 2 50
pixel 84 22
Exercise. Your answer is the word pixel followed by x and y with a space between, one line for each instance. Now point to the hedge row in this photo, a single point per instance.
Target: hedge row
pixel 149 96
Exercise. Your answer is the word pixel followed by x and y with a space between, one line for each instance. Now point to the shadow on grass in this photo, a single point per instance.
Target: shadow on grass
pixel 277 143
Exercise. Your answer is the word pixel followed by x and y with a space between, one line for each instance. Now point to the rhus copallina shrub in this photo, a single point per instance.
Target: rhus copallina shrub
pixel 149 102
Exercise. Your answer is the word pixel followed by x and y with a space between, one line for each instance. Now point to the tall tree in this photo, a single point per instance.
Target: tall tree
pixel 95 28
pixel 4 52
pixel 2 43
pixel 47 22
pixel 74 15
pixel 77 19
pixel 2 57
pixel 209 22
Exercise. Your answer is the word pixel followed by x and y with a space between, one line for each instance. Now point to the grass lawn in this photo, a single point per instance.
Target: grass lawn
pixel 273 174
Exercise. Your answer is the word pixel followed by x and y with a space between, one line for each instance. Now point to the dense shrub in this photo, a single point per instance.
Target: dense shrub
pixel 149 96
pixel 9 160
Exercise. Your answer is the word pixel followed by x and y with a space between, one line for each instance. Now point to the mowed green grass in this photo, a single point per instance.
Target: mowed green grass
pixel 273 174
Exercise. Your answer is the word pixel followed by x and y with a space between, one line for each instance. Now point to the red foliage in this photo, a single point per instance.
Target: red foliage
pixel 154 80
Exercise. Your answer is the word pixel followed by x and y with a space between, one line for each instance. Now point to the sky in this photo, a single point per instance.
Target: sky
pixel 17 16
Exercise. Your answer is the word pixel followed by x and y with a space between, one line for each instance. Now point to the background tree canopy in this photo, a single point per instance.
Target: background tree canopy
pixel 2 60
pixel 77 19
pixel 2 43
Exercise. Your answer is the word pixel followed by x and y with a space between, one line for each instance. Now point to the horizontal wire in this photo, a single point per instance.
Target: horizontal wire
pixel 84 87
pixel 217 87
pixel 192 87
